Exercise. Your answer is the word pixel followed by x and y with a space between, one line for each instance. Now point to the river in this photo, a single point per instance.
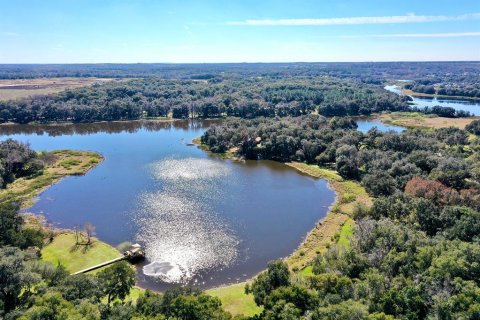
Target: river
pixel 203 220
pixel 472 106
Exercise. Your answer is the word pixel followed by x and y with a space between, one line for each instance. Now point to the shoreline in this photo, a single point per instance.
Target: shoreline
pixel 409 92
pixel 65 163
pixel 323 233
pixel 412 120
pixel 60 123
pixel 347 194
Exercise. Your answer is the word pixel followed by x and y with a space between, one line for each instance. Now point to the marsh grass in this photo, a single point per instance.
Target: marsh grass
pixel 334 228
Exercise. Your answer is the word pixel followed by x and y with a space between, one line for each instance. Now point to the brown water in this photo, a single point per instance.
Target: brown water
pixel 203 221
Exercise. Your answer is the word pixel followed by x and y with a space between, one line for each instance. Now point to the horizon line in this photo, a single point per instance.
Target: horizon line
pixel 240 62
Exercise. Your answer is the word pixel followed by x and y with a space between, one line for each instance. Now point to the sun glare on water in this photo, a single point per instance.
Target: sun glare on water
pixel 181 232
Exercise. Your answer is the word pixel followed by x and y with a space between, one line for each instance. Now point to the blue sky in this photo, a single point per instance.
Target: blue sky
pixel 130 31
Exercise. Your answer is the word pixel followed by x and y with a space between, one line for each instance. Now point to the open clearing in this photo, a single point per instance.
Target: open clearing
pixel 419 120
pixel 64 250
pixel 24 88
pixel 235 301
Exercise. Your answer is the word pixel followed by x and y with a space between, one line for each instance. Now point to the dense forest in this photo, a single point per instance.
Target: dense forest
pixel 238 90
pixel 370 72
pixel 245 98
pixel 414 254
pixel 451 84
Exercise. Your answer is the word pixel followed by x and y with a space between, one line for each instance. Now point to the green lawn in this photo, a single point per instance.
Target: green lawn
pixel 234 299
pixel 63 250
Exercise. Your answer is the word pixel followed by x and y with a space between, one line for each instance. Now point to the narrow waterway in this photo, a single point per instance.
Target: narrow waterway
pixel 472 106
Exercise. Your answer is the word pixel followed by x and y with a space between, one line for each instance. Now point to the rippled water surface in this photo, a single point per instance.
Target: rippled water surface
pixel 202 220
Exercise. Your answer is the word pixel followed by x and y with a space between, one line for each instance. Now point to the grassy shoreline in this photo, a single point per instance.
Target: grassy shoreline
pixel 64 163
pixel 64 250
pixel 409 92
pixel 419 120
pixel 327 231
pixel 335 227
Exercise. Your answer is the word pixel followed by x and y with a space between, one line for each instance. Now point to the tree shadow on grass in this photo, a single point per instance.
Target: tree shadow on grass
pixel 82 247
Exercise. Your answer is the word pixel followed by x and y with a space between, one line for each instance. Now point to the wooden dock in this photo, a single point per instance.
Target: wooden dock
pixel 133 255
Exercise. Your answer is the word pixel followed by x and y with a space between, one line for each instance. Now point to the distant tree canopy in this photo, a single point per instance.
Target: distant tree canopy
pixel 367 72
pixel 466 87
pixel 245 98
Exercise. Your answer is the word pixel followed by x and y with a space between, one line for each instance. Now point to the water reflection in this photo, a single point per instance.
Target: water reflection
pixel 55 130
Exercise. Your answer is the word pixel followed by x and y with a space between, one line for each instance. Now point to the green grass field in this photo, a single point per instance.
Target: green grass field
pixel 74 258
pixel 235 301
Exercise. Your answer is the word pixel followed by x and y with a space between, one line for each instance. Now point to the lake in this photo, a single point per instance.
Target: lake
pixel 472 106
pixel 203 220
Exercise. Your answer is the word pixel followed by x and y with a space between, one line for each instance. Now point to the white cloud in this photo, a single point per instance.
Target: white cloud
pixel 409 18
pixel 430 35
pixel 419 35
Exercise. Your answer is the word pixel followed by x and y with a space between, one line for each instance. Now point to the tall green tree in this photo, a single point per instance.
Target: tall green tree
pixel 16 280
pixel 117 281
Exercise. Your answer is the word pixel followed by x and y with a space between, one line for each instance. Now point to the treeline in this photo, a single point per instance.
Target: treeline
pixel 32 289
pixel 61 129
pixel 413 255
pixel 470 91
pixel 368 72
pixel 441 111
pixel 17 160
pixel 244 98
pixel 455 84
